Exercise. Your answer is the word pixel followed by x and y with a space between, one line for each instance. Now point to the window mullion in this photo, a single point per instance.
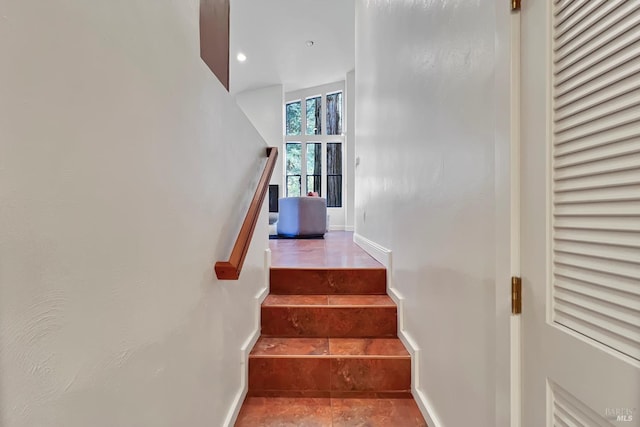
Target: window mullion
pixel 303 148
pixel 323 139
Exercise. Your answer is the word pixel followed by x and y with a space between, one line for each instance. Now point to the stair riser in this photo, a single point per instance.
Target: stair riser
pixel 289 281
pixel 329 375
pixel 334 322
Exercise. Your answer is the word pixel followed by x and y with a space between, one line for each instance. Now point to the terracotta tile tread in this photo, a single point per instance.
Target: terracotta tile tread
pixel 336 412
pixel 338 269
pixel 361 300
pixel 328 356
pixel 367 347
pixel 267 346
pixel 344 348
pixel 329 300
pixel 392 394
pixel 298 300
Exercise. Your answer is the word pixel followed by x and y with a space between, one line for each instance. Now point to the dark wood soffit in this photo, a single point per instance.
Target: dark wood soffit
pixel 214 37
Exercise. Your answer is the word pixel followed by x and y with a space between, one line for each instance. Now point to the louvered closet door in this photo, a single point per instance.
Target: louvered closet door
pixel 581 212
pixel 596 171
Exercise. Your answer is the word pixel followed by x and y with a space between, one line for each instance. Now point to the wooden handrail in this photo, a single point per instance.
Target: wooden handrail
pixel 230 270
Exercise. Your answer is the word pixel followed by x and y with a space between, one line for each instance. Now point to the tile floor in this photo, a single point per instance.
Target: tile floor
pixel 329 412
pixel 336 250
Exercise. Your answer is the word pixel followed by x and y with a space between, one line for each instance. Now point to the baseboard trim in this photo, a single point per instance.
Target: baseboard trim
pixel 259 297
pixel 379 252
pixel 341 228
pixel 425 406
pixel 385 257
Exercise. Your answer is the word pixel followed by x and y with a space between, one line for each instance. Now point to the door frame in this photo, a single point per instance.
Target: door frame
pixel 508 365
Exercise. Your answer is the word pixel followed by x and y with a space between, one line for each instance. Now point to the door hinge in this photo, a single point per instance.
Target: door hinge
pixel 515 5
pixel 516 295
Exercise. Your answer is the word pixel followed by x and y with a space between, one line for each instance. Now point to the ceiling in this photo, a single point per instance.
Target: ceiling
pixel 272 34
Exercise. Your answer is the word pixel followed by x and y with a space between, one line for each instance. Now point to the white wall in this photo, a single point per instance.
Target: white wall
pixel 350 91
pixel 426 189
pixel 119 189
pixel 265 109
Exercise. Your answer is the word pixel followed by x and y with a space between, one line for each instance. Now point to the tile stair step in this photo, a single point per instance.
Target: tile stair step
pixel 325 347
pixel 329 353
pixel 337 412
pixel 354 316
pixel 329 300
pixel 319 281
pixel 329 366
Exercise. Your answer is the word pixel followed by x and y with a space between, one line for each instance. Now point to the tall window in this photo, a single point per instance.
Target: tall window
pixel 314 143
pixel 334 175
pixel 294 123
pixel 314 167
pixel 294 169
pixel 334 113
pixel 314 109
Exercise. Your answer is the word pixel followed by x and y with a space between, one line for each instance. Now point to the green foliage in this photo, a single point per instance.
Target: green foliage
pixel 294 169
pixel 294 158
pixel 293 186
pixel 334 114
pixel 294 118
pixel 313 115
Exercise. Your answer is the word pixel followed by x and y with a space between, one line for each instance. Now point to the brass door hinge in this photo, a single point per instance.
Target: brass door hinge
pixel 515 5
pixel 516 295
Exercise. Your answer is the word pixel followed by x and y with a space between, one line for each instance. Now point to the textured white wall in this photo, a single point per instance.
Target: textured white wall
pixel 426 187
pixel 123 166
pixel 350 91
pixel 265 109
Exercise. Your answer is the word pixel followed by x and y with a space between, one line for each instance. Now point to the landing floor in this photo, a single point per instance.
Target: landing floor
pixel 336 250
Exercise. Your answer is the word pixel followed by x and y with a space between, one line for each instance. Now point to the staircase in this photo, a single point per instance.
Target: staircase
pixel 329 343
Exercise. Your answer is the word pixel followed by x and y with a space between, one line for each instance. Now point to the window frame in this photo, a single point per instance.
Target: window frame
pixel 341 174
pixel 302 96
pixel 287 175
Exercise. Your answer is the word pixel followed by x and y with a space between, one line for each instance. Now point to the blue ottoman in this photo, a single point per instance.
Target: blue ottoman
pixel 302 217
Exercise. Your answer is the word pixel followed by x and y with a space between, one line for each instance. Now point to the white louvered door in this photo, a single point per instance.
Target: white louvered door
pixel 580 220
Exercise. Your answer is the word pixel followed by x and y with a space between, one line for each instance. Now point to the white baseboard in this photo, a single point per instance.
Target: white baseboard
pixel 385 257
pixel 426 407
pixel 341 228
pixel 380 253
pixel 232 415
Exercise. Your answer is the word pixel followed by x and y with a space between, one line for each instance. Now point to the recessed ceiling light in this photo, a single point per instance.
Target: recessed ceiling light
pixel 309 43
pixel 241 57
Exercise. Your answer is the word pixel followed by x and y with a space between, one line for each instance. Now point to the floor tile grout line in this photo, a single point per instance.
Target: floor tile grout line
pixel 327 305
pixel 331 406
pixel 331 356
pixel 330 387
